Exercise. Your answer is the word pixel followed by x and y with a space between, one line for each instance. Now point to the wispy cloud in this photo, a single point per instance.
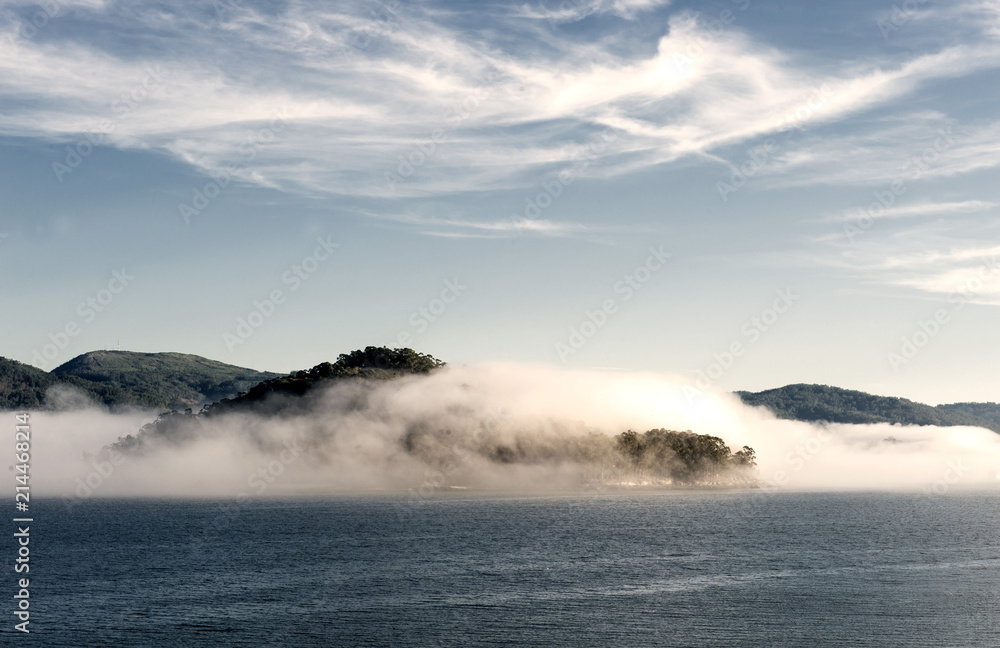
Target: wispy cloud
pixel 941 258
pixel 925 146
pixel 923 209
pixel 576 10
pixel 457 227
pixel 406 103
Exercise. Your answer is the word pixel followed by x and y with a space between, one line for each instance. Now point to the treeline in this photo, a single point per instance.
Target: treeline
pixel 121 380
pixel 818 403
pixel 23 387
pixel 373 363
pixel 685 457
pixel 281 394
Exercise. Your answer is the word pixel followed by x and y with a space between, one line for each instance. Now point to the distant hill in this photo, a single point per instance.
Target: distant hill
pixel 163 379
pixel 823 403
pixel 21 385
pixel 986 411
pixel 25 387
pixel 124 378
pixel 282 394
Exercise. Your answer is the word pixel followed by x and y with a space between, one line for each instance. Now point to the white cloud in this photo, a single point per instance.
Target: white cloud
pixel 955 258
pixel 924 147
pixel 459 227
pixel 559 11
pixel 923 209
pixel 404 104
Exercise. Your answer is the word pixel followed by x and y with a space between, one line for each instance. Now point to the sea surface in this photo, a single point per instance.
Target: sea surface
pixel 673 568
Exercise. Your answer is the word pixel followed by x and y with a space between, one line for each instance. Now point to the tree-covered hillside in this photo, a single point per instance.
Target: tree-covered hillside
pixel 684 457
pixel 656 458
pixel 374 363
pixel 120 379
pixel 986 411
pixel 163 379
pixel 824 403
pixel 23 387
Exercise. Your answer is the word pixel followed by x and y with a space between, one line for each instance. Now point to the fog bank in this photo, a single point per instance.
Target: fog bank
pixel 496 426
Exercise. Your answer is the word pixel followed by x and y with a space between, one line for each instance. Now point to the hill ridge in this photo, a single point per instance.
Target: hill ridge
pixel 122 379
pixel 825 403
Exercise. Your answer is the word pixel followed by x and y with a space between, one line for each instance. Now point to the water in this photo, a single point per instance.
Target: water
pixel 639 569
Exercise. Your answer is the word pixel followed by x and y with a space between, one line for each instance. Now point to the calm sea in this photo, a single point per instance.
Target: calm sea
pixel 640 569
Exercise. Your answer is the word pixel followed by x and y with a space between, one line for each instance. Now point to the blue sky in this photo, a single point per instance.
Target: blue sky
pixel 742 194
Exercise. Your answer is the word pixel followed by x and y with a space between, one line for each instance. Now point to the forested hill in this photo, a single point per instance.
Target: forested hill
pixel 282 394
pixel 124 378
pixel 823 403
pixel 164 379
pixel 657 457
pixel 23 387
pixel 373 363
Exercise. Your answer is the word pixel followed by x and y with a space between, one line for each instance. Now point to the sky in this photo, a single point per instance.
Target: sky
pixel 740 194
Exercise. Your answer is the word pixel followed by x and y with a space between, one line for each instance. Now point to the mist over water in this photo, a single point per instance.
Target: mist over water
pixel 453 428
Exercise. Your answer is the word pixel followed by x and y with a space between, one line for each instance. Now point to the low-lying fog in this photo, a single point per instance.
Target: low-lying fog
pixel 355 437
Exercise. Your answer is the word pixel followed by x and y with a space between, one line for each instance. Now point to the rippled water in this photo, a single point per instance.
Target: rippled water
pixel 640 569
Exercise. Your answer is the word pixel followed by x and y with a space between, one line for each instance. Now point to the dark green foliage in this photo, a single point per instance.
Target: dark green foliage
pixel 374 363
pixel 121 379
pixel 685 457
pixel 162 379
pixel 823 403
pixel 654 458
pixel 22 386
pixel 172 427
pixel 677 457
pixel 985 411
